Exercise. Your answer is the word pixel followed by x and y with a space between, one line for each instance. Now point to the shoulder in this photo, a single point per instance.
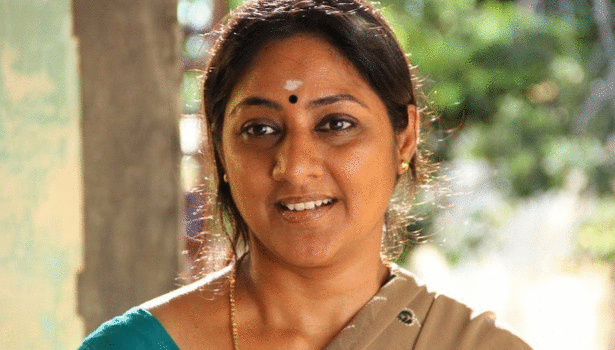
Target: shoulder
pixel 468 329
pixel 135 329
pixel 207 293
pixel 191 317
pixel 196 315
pixel 449 324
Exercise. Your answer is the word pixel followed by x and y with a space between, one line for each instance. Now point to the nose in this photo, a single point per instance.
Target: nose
pixel 298 159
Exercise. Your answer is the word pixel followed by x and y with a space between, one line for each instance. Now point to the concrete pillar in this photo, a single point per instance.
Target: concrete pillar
pixel 129 72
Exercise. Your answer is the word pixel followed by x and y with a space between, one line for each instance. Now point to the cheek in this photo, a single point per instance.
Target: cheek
pixel 238 158
pixel 243 169
pixel 370 170
pixel 249 171
pixel 248 191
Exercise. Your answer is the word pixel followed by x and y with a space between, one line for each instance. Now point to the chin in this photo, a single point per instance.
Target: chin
pixel 299 255
pixel 311 260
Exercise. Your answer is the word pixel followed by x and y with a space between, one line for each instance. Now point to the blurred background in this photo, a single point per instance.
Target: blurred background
pixel 99 157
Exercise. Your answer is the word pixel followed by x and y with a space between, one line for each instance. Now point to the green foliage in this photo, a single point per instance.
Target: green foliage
pixel 233 4
pixel 508 85
pixel 191 91
pixel 597 235
pixel 515 78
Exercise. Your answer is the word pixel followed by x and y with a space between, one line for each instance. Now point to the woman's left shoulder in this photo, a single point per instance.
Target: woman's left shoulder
pixel 468 328
pixel 449 324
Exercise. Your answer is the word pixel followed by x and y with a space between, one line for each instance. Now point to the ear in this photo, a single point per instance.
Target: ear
pixel 218 152
pixel 407 139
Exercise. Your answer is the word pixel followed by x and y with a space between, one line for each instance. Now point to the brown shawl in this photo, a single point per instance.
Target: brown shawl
pixel 405 315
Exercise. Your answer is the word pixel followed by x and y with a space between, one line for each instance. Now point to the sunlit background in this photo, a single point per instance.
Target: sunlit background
pixel 521 101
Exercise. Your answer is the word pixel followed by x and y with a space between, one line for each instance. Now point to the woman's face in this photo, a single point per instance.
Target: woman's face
pixel 310 154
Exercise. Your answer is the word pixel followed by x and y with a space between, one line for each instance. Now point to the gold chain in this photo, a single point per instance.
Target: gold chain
pixel 234 332
pixel 233 306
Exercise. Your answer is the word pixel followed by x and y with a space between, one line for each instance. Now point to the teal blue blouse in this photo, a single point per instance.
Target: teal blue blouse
pixel 136 329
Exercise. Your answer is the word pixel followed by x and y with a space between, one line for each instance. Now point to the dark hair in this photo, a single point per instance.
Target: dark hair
pixel 354 27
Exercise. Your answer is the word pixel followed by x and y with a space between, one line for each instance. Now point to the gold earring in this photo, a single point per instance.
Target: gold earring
pixel 404 167
pixel 225 178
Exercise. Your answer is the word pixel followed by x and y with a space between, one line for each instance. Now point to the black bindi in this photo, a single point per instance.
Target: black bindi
pixel 293 99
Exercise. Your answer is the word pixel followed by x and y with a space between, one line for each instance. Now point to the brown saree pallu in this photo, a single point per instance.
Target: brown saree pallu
pixel 405 315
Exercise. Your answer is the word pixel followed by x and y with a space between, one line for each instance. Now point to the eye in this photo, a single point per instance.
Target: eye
pixel 258 129
pixel 335 123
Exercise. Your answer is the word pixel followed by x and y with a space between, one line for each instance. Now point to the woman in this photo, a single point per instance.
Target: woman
pixel 313 122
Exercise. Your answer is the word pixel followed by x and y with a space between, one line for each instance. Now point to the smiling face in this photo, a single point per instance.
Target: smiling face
pixel 311 169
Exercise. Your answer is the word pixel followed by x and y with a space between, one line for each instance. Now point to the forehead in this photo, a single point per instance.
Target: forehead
pixel 310 63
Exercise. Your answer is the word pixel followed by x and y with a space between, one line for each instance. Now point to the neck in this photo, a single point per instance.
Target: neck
pixel 286 296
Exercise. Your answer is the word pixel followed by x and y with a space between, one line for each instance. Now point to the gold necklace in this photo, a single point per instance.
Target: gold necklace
pixel 233 306
pixel 234 332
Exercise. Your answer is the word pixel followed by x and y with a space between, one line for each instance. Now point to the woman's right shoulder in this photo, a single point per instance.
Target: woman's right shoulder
pixel 189 317
pixel 195 313
pixel 208 292
pixel 135 329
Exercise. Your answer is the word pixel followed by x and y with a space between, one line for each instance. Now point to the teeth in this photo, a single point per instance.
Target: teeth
pixel 307 205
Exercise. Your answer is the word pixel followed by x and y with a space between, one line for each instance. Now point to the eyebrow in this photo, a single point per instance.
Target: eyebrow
pixel 319 102
pixel 256 101
pixel 327 100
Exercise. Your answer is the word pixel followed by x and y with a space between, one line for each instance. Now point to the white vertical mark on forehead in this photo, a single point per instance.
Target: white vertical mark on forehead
pixel 292 85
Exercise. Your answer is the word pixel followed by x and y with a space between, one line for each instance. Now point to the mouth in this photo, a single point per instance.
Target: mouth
pixel 307 205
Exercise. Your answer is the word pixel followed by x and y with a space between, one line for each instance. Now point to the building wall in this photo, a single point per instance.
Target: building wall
pixel 40 181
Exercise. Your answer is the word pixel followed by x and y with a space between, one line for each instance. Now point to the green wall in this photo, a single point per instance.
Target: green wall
pixel 40 181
